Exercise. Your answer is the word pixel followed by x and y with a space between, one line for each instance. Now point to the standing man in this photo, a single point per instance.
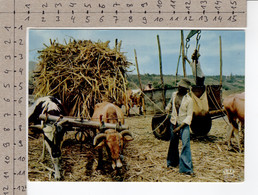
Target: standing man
pixel 181 117
pixel 195 65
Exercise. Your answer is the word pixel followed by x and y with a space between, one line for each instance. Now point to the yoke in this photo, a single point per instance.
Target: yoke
pixel 84 123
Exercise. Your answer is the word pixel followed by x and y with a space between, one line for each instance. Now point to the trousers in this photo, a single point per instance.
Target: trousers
pixel 185 159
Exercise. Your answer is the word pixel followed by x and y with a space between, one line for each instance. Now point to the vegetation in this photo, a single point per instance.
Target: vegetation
pixel 232 83
pixel 81 74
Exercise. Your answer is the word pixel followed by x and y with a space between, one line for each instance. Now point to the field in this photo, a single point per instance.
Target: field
pixel 144 158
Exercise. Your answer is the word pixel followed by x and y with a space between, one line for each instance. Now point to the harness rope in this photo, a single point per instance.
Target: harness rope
pixel 149 99
pixel 160 124
pixel 216 104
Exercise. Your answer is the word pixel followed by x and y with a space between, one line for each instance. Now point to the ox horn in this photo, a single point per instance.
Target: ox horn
pixel 126 132
pixel 101 135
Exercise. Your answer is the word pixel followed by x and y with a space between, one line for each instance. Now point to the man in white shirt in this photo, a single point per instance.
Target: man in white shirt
pixel 181 117
pixel 195 65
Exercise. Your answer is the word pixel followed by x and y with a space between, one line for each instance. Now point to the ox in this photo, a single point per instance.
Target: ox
pixel 111 139
pixel 53 133
pixel 133 98
pixel 235 109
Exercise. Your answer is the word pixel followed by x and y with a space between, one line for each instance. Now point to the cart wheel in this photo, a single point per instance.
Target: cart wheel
pixel 160 127
pixel 201 125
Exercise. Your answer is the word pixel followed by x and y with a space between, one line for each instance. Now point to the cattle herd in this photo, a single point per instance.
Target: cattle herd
pixel 111 140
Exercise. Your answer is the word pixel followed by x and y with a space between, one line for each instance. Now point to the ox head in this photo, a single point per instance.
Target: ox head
pixel 114 141
pixel 53 135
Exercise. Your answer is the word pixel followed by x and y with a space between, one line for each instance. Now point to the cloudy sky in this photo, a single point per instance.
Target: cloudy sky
pixel 145 43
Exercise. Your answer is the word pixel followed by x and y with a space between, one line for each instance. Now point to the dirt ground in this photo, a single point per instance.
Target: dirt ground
pixel 144 158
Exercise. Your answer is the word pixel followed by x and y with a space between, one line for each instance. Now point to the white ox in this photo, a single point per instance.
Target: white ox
pixel 53 133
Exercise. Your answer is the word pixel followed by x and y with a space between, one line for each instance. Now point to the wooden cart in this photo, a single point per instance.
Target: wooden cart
pixel 200 125
pixel 85 129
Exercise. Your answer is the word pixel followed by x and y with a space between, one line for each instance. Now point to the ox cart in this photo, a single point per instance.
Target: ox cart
pixel 85 129
pixel 207 100
pixel 202 121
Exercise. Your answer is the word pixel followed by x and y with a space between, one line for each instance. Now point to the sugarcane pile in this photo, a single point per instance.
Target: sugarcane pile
pixel 81 74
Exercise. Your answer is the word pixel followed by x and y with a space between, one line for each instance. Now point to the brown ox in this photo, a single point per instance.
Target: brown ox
pixel 111 139
pixel 235 108
pixel 134 98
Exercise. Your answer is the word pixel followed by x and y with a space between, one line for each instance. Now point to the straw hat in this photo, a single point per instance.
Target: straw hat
pixel 184 83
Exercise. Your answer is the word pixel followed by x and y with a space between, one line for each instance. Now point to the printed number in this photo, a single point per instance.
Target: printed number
pixel 58 5
pixel 130 19
pixel 87 20
pixel 21 56
pixel 7 144
pixel 159 4
pixel 144 20
pixel 7 57
pixel 6 129
pixel 6 85
pixel 158 19
pixel 233 2
pixel 20 85
pixel 20 113
pixel 6 175
pixel 8 28
pixel 7 114
pixel 7 100
pixel 72 4
pixel 144 4
pixel 87 5
pixel 7 71
pixel 21 158
pixel 44 5
pixel 101 19
pixel 116 18
pixel 21 188
pixel 57 18
pixel 73 18
pixel 21 70
pixel 8 41
pixel 102 6
pixel 20 143
pixel 20 100
pixel 20 42
pixel 7 159
pixel 188 2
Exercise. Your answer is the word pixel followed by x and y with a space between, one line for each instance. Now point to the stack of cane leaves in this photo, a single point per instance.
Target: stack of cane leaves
pixel 81 74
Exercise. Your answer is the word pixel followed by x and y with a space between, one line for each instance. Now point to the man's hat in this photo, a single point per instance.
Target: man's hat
pixel 184 83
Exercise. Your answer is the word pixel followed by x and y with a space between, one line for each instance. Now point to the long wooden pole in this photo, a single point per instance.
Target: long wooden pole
pixel 116 41
pixel 138 71
pixel 183 52
pixel 178 63
pixel 161 74
pixel 83 123
pixel 220 52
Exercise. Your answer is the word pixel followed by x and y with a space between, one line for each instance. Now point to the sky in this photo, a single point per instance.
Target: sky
pixel 145 44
